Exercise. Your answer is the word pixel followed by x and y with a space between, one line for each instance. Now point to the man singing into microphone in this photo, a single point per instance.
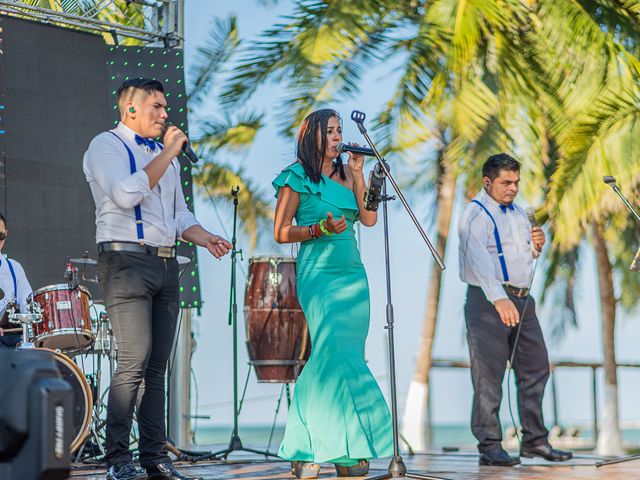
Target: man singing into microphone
pixel 140 210
pixel 497 249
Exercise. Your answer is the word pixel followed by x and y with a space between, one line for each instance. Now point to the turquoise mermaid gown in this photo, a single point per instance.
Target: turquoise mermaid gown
pixel 338 413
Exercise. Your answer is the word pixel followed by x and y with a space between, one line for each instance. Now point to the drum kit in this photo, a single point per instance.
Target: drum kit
pixel 63 319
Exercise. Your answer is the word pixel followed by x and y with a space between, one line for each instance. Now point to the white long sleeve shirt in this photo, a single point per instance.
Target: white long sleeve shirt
pixel 478 253
pixel 116 192
pixel 23 288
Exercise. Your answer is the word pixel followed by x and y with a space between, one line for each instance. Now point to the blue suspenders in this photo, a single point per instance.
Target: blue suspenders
pixel 136 209
pixel 503 263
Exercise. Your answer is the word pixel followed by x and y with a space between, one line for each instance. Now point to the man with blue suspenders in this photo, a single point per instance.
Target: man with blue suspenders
pixel 15 289
pixel 497 249
pixel 140 211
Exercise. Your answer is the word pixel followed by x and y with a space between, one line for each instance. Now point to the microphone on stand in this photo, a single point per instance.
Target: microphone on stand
pixel 372 196
pixel 187 151
pixel 71 275
pixel 341 147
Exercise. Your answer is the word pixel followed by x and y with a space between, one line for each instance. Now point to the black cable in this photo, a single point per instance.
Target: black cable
pixel 515 346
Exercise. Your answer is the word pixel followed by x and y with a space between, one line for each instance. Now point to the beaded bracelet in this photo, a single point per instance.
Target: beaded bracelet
pixel 323 229
pixel 314 231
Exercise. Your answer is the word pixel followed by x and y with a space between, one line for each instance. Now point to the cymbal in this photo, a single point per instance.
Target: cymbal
pixel 87 261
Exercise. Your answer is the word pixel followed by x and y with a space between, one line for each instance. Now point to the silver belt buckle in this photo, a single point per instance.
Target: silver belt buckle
pixel 165 252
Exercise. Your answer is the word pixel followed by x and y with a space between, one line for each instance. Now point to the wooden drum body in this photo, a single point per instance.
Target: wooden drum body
pixel 277 333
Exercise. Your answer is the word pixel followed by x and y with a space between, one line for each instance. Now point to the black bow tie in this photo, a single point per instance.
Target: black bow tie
pixel 504 207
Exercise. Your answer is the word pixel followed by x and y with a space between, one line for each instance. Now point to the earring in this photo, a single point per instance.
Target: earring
pixel 132 110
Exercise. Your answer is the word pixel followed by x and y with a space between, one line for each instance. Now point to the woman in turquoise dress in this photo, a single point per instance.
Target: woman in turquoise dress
pixel 338 413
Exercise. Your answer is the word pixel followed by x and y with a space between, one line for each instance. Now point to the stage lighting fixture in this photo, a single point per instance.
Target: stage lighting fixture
pixel 36 407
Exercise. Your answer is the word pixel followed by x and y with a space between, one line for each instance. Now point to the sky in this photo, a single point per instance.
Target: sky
pixel 410 268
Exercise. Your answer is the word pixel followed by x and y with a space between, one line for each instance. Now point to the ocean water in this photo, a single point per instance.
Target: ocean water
pixel 261 437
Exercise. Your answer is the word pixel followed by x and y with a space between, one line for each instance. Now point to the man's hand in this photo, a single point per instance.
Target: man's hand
pixel 217 245
pixel 508 312
pixel 173 140
pixel 537 238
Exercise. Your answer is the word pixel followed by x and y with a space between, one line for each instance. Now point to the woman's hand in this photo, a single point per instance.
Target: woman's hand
pixel 355 162
pixel 335 226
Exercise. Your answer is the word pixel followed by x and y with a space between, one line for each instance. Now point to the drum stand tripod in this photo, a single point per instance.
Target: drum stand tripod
pixel 235 444
pixel 397 468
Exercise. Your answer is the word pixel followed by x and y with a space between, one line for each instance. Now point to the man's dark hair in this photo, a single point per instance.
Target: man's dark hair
pixel 496 163
pixel 147 84
pixel 4 220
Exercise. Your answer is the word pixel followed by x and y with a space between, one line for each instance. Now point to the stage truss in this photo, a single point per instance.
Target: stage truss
pixel 127 22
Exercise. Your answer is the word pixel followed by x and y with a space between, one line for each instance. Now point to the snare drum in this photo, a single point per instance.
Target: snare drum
pixel 66 320
pixel 277 332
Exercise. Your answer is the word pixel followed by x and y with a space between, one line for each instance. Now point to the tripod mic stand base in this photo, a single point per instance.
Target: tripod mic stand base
pixel 397 469
pixel 235 445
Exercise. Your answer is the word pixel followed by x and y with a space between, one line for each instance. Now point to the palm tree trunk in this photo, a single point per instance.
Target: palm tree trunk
pixel 609 439
pixel 413 422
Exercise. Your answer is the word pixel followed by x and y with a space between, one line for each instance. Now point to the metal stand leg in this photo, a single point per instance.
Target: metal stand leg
pixel 235 443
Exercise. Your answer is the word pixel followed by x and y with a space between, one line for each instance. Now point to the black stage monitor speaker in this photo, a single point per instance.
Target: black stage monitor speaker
pixel 35 417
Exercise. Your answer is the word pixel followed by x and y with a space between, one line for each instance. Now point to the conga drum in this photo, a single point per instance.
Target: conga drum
pixel 277 333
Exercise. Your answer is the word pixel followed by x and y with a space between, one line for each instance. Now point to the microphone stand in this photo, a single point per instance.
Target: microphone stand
pixel 609 180
pixel 235 444
pixel 397 468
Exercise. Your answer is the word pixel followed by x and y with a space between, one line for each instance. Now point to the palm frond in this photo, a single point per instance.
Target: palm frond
pixel 211 57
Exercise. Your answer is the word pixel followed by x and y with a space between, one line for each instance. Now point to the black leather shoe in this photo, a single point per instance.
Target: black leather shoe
pixel 498 458
pixel 125 471
pixel 166 471
pixel 547 452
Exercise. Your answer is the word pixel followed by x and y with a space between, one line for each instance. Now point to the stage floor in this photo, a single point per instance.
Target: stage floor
pixel 459 465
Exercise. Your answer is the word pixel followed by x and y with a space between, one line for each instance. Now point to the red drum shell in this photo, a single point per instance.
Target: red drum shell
pixel 66 320
pixel 277 333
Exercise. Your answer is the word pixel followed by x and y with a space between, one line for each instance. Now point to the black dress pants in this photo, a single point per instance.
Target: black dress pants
pixel 490 346
pixel 141 298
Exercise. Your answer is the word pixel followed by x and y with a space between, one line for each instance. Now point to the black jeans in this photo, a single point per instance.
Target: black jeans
pixel 141 298
pixel 490 346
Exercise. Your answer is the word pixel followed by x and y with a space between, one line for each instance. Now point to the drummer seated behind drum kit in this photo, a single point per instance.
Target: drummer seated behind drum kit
pixel 58 319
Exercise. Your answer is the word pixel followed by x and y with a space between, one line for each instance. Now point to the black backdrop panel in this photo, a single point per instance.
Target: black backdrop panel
pixel 57 91
pixel 53 86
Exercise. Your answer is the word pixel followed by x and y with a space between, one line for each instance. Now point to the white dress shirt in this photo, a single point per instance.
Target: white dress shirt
pixel 6 284
pixel 116 192
pixel 478 253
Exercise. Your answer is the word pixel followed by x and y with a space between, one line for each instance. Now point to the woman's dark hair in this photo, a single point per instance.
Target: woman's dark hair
pixel 496 163
pixel 307 149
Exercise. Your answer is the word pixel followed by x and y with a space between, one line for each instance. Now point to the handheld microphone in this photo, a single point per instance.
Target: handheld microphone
pixel 531 215
pixel 187 151
pixel 608 179
pixel 341 147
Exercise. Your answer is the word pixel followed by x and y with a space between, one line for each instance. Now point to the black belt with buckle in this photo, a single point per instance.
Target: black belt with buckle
pixel 516 291
pixel 163 252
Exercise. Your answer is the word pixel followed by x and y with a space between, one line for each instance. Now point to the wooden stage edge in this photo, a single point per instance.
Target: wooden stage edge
pixel 455 465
